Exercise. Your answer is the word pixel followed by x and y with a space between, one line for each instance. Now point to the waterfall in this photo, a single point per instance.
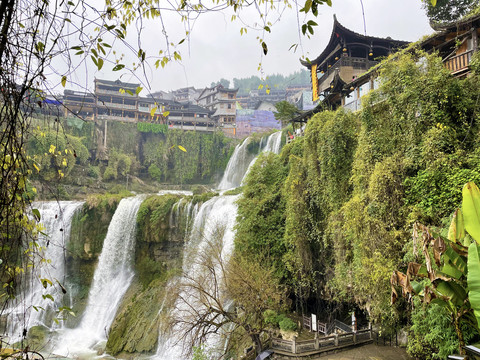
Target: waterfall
pixel 111 280
pixel 274 142
pixel 240 163
pixel 217 213
pixel 236 167
pixel 56 218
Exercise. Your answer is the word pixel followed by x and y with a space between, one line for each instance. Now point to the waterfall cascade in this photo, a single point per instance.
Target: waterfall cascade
pixel 236 167
pixel 56 217
pixel 274 143
pixel 215 217
pixel 197 224
pixel 217 213
pixel 111 280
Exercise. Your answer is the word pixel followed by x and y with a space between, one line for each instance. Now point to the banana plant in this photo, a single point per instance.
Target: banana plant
pixel 454 283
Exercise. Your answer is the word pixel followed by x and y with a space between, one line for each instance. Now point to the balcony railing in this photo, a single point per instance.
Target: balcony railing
pixel 113 92
pixel 459 63
pixel 192 128
pixel 116 118
pixel 117 105
pixel 356 63
pixel 353 105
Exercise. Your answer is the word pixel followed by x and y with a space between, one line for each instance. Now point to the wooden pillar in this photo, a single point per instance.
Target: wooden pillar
pixel 474 40
pixel 336 339
pixel 105 138
pixel 294 345
pixel 370 328
pixel 317 343
pixel 354 337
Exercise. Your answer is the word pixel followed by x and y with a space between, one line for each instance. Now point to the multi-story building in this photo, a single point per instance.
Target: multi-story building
pixel 79 104
pixel 116 100
pixel 222 102
pixel 119 101
pixel 345 64
pixel 186 95
pixel 346 56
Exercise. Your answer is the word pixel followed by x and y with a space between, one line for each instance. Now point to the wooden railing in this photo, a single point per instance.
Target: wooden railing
pixel 459 63
pixel 321 344
pixel 307 324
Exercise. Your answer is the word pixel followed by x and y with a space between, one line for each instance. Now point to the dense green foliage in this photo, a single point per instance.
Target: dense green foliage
pixel 152 218
pixel 119 165
pixel 448 10
pixel 205 157
pixel 432 335
pixel 54 154
pixel 285 111
pixel 152 128
pixel 334 210
pixel 144 150
pixel 262 212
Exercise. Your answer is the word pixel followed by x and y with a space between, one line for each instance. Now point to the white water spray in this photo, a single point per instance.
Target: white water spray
pixel 111 280
pixel 217 213
pixel 236 167
pixel 56 217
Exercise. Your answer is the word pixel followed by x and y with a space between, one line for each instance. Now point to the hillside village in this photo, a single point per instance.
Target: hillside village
pixel 205 110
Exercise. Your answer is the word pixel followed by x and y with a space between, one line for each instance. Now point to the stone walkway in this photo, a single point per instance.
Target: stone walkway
pixel 368 352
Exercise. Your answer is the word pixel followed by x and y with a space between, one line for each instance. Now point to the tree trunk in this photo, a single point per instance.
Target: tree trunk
pixel 461 340
pixel 257 342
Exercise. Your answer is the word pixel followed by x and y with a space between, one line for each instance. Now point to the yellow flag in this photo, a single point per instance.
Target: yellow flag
pixel 314 83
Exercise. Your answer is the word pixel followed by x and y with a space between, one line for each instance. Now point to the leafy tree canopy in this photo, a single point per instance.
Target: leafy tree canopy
pixel 448 10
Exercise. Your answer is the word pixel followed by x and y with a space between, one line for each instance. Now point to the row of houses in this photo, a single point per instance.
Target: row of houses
pixel 343 72
pixel 213 109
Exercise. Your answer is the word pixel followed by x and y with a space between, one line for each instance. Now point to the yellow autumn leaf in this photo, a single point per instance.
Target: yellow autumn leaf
pixel 52 149
pixel 182 148
pixel 36 167
pixel 152 112
pixel 64 162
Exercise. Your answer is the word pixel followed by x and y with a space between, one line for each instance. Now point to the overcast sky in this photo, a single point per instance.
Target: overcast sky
pixel 217 50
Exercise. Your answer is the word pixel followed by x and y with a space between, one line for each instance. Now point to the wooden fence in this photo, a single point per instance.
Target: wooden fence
pixel 307 324
pixel 321 344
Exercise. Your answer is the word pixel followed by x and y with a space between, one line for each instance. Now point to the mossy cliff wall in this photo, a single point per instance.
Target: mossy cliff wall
pixel 162 225
pixel 161 229
pixel 88 231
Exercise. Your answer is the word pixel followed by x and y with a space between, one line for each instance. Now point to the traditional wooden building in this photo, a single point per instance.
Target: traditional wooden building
pixel 346 56
pixel 455 42
pixel 79 104
pixel 116 100
pixel 340 84
pixel 222 102
pixel 119 101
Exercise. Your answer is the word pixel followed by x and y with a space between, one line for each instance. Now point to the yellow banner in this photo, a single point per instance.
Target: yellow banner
pixel 314 83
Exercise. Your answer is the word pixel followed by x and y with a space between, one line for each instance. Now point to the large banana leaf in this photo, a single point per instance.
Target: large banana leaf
pixel 455 264
pixel 451 290
pixel 456 232
pixel 471 210
pixel 473 279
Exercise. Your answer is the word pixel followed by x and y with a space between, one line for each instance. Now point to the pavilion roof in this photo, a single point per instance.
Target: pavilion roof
pixel 344 37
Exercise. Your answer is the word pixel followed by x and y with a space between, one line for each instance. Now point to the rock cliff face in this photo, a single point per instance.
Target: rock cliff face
pixel 89 228
pixel 163 223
